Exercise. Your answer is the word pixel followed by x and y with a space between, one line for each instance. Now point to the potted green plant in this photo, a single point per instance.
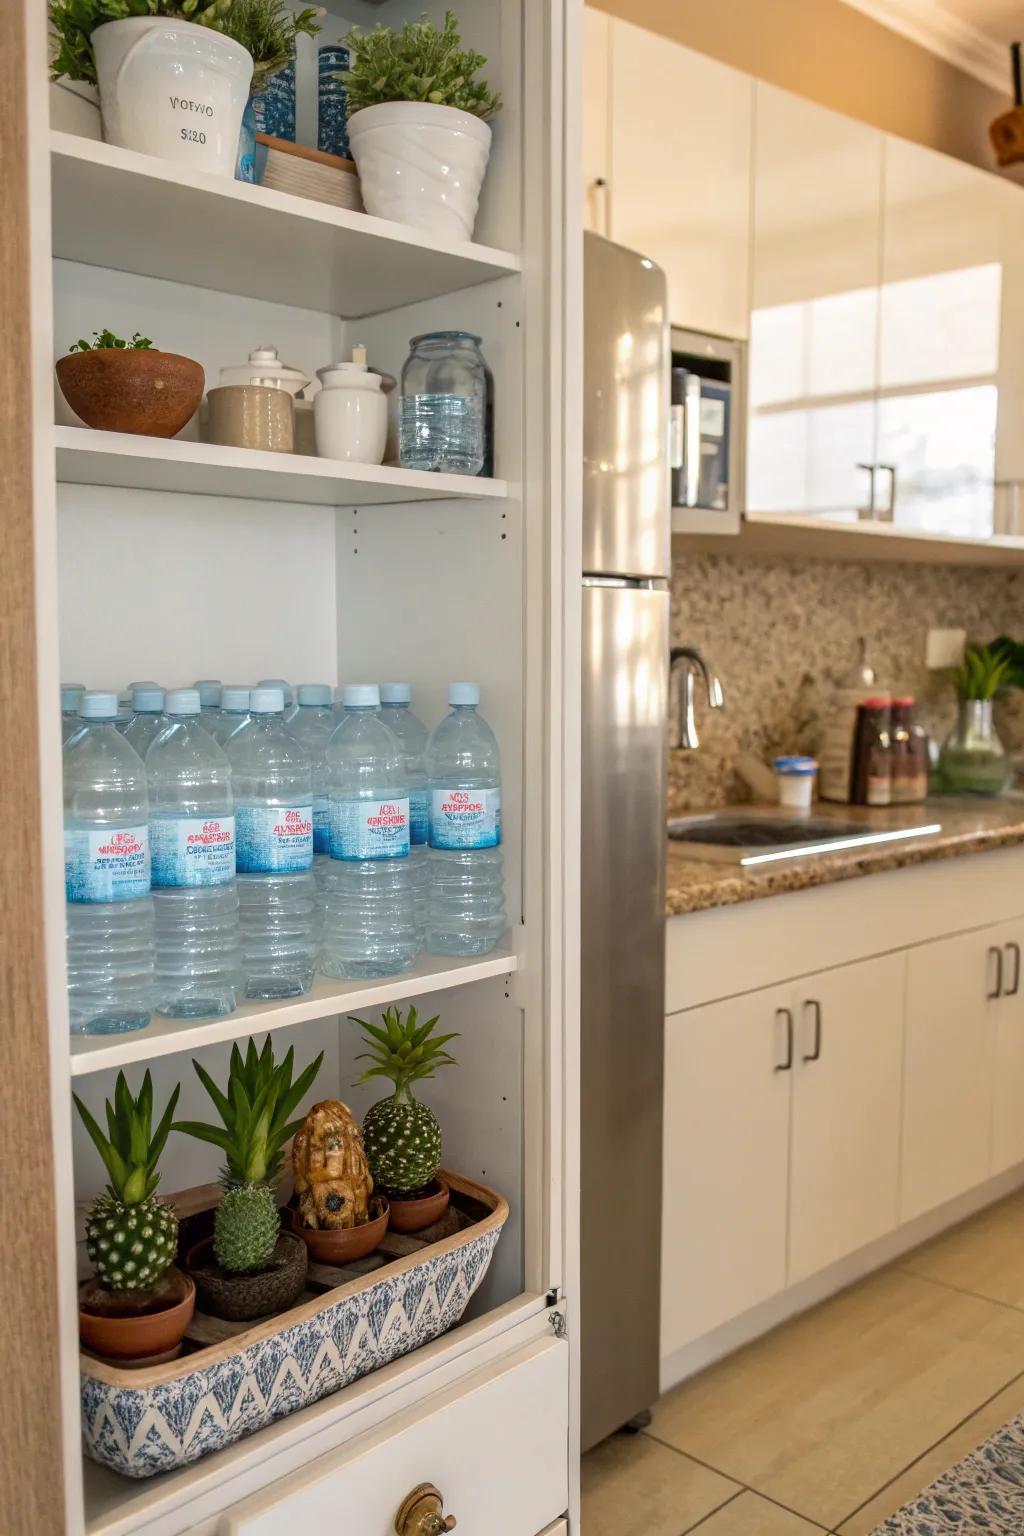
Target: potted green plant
pixel 267 30
pixel 139 1303
pixel 401 1134
pixel 172 81
pixel 417 124
pixel 973 760
pixel 249 1267
pixel 129 386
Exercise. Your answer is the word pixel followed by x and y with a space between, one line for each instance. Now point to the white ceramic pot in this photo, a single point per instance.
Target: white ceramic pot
pixel 350 415
pixel 173 89
pixel 421 164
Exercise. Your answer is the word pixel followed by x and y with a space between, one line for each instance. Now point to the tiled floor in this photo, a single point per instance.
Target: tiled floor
pixel 840 1416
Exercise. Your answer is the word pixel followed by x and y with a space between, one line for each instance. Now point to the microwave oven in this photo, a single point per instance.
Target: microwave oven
pixel 707 425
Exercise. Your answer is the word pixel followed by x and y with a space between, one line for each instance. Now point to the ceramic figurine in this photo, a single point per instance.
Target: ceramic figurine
pixel 332 1178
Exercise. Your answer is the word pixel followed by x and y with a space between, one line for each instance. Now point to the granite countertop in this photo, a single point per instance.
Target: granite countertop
pixel 968 826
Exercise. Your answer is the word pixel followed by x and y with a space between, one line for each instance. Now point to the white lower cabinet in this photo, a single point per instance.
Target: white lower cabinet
pixel 494 1446
pixel 845 1141
pixel 782 1115
pixel 726 1153
pixel 950 1059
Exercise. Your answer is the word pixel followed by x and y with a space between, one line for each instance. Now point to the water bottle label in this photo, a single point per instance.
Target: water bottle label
pixel 465 818
pixel 419 816
pixel 192 850
pixel 106 865
pixel 369 829
pixel 321 824
pixel 274 839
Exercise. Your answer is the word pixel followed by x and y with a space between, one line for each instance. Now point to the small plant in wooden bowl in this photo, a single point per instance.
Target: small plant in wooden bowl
pixel 115 385
pixel 402 1135
pixel 250 1268
pixel 336 1213
pixel 139 1304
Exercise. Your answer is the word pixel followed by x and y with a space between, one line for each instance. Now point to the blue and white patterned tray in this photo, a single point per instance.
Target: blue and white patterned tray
pixel 146 1421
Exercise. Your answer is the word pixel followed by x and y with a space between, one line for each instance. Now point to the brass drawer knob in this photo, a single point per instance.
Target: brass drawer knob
pixel 421 1513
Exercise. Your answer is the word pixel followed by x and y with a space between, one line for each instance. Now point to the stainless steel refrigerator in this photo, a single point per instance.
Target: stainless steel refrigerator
pixel 626 568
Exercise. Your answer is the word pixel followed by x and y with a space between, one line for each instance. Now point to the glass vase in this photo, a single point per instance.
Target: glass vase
pixel 973 760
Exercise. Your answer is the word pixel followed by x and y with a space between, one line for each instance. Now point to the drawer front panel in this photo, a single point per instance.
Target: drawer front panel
pixel 496 1446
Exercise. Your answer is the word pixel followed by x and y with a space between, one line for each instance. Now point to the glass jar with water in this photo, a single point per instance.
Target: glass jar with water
pixel 443 404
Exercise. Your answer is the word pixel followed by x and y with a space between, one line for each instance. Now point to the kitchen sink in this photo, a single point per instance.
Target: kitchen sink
pixel 751 839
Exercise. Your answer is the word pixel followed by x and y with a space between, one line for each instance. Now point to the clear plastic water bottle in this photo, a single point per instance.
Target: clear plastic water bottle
pixel 274 846
pixel 148 718
pixel 395 711
pixel 312 725
pixel 209 690
pixel 70 694
pixel 369 907
pixel 466 905
pixel 192 838
pixel 106 876
pixel 287 691
pixel 234 711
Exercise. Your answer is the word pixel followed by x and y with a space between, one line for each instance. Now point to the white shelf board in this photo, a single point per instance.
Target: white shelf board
pixel 136 213
pixel 166 1037
pixel 85 457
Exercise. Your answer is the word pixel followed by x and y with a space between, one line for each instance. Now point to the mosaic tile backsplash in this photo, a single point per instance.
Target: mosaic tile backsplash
pixel 781 634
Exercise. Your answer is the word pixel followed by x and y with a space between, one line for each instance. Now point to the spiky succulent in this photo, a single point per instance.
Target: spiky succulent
pixel 254 1128
pixel 131 1235
pixel 401 1135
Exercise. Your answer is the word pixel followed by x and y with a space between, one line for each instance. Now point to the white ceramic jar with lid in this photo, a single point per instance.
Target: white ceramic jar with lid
pixel 350 412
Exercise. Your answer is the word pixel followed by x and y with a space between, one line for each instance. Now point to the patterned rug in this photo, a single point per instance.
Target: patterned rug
pixel 983 1495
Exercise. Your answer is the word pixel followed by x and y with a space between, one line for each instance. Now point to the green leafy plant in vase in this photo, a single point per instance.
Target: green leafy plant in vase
pixel 401 1134
pixel 973 760
pixel 250 1268
pixel 139 1304
pixel 415 100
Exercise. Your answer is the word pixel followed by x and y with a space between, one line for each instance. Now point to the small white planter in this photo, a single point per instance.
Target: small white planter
pixel 421 164
pixel 173 89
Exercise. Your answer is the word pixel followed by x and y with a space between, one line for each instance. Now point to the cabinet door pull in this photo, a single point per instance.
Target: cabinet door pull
pixel 787 1014
pixel 421 1513
pixel 815 1053
pixel 996 953
pixel 1014 986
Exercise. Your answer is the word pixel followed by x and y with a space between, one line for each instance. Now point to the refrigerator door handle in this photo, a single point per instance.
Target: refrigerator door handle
pixel 676 441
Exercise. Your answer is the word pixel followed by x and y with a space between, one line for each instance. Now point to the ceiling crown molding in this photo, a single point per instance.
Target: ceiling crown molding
pixel 933 27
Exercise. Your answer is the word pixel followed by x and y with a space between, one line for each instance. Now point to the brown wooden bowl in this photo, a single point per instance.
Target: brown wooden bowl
pixel 422 1210
pixel 139 1335
pixel 241 1297
pixel 347 1243
pixel 119 389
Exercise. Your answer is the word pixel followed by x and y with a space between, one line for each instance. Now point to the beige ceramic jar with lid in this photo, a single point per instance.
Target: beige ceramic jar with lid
pixel 264 367
pixel 351 413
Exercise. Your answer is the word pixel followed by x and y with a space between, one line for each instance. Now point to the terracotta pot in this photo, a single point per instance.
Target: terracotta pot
pixel 118 389
pixel 240 1297
pixel 422 1210
pixel 347 1243
pixel 141 1335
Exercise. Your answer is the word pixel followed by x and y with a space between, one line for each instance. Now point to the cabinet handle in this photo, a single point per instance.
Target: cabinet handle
pixel 1014 986
pixel 787 1014
pixel 600 185
pixel 815 1054
pixel 996 953
pixel 887 513
pixel 866 514
pixel 421 1513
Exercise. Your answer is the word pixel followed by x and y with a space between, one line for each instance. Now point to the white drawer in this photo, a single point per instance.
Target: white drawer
pixel 495 1445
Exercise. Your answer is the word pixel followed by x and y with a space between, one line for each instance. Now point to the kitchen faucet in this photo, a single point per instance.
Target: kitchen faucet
pixel 693 662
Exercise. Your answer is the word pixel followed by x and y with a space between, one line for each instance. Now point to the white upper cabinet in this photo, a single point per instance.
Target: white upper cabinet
pixel 817 207
pixel 944 240
pixel 679 187
pixel 596 114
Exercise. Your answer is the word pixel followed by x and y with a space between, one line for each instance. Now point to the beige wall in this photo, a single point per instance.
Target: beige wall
pixel 829 52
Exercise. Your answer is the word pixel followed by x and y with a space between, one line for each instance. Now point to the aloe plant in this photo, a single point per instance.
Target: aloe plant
pixel 982 673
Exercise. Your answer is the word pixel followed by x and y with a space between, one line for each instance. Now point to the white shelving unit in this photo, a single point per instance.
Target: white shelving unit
pixel 250 563
pixel 85 457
